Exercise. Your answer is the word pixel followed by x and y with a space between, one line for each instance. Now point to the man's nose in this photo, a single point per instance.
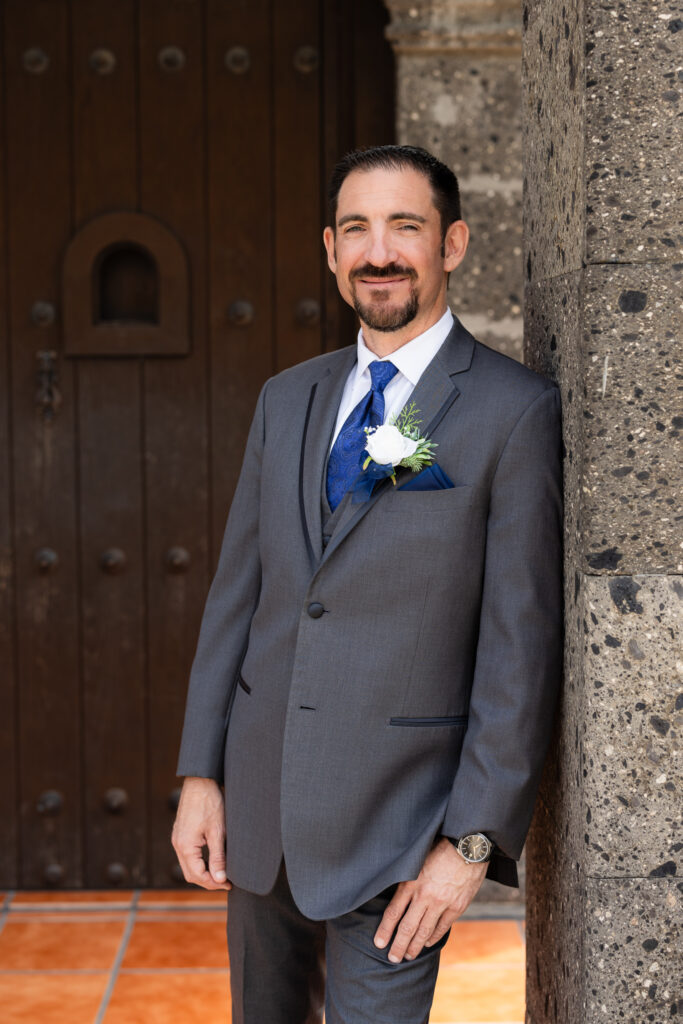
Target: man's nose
pixel 380 251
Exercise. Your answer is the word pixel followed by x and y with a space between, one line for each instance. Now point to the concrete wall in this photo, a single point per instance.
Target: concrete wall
pixel 603 266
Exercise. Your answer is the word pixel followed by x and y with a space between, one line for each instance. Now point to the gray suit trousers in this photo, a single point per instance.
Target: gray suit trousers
pixel 285 968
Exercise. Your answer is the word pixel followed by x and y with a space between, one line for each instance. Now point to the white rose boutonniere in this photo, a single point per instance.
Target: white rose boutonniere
pixel 386 445
pixel 397 443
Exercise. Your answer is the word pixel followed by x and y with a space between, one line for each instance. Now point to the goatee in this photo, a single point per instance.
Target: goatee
pixel 380 315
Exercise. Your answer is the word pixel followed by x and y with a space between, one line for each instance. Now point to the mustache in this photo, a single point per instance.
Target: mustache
pixel 390 270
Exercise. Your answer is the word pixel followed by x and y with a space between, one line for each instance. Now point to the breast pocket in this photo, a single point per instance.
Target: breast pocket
pixel 400 502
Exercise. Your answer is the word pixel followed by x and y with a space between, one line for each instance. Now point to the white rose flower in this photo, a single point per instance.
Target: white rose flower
pixel 386 445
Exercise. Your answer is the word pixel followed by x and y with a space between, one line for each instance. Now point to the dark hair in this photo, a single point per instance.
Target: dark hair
pixel 443 182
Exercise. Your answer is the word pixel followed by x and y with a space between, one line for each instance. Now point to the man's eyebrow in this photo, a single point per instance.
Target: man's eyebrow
pixel 408 216
pixel 351 216
pixel 401 215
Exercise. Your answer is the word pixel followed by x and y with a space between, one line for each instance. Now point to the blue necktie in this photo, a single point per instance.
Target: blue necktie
pixel 343 466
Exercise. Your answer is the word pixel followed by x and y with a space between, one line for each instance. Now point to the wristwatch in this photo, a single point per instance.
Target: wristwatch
pixel 475 848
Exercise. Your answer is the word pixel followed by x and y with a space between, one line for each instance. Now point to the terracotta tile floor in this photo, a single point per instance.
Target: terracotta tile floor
pixel 159 958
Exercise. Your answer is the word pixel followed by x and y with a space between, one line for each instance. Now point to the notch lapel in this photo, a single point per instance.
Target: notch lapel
pixel 323 406
pixel 433 396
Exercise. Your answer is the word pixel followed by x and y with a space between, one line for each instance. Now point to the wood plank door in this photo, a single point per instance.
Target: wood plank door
pixel 163 175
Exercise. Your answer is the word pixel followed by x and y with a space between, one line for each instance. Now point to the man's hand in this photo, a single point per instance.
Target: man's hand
pixel 427 907
pixel 200 821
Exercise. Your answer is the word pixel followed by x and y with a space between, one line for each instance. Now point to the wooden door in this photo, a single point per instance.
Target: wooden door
pixel 163 181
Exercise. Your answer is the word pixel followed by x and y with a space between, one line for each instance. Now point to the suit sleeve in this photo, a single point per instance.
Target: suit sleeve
pixel 519 649
pixel 228 612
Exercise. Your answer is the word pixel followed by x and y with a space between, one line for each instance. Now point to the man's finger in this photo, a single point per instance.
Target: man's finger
pixel 392 915
pixel 446 921
pixel 408 927
pixel 424 933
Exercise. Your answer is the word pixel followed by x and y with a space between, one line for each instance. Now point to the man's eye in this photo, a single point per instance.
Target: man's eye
pixel 408 227
pixel 353 227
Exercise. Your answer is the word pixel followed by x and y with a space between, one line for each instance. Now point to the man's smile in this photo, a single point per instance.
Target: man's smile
pixel 373 282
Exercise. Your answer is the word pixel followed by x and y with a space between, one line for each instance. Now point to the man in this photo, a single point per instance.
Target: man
pixel 376 668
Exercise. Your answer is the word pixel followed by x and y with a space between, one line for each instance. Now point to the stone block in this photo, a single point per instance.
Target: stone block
pixel 553 120
pixel 602 180
pixel 619 376
pixel 633 725
pixel 468 111
pixel 632 477
pixel 489 281
pixel 634 131
pixel 472 27
pixel 633 941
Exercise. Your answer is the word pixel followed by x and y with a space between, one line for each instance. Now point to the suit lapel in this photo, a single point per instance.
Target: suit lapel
pixel 323 406
pixel 433 396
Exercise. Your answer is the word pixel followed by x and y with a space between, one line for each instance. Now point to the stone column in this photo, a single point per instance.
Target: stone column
pixel 603 262
pixel 458 95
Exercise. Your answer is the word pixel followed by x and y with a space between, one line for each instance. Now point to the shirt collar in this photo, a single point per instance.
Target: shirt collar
pixel 412 358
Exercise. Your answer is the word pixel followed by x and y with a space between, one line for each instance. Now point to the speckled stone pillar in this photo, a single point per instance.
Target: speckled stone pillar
pixel 602 105
pixel 459 95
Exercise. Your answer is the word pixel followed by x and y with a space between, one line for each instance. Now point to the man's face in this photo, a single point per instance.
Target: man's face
pixel 387 253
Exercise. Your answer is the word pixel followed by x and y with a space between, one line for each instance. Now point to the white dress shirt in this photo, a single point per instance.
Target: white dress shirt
pixel 410 359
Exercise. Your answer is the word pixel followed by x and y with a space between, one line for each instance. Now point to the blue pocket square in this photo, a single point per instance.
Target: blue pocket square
pixel 432 478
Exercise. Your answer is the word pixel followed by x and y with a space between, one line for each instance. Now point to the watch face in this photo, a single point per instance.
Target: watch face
pixel 475 847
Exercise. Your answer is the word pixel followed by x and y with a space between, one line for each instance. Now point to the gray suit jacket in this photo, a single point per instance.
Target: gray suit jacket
pixel 420 699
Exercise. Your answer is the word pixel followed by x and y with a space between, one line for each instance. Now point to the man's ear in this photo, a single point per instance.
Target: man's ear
pixel 455 244
pixel 329 240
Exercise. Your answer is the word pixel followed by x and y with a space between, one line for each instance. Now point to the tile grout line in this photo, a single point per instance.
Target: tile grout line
pixel 76 911
pixel 493 912
pixel 113 908
pixel 4 910
pixel 31 971
pixel 116 966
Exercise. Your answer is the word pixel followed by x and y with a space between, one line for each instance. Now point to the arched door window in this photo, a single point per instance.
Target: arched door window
pixel 125 289
pixel 126 286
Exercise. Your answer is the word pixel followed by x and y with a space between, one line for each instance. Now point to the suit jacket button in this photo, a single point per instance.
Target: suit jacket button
pixel 315 610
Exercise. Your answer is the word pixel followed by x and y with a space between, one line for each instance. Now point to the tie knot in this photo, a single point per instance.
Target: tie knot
pixel 382 373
